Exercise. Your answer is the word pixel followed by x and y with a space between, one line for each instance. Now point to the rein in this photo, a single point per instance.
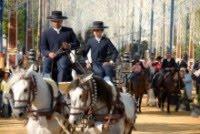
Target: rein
pixel 32 90
pixel 46 111
pixel 31 93
pixel 90 113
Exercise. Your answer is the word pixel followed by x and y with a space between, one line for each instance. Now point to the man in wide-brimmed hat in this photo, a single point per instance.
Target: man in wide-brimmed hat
pixel 54 39
pixel 169 63
pixel 103 52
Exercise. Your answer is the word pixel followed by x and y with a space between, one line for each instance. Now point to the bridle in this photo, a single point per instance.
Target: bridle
pixel 32 89
pixel 32 92
pixel 87 111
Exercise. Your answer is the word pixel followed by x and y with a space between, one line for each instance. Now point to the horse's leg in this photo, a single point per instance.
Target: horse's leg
pixel 140 102
pixel 177 102
pixel 159 98
pixel 137 103
pixel 162 99
pixel 168 101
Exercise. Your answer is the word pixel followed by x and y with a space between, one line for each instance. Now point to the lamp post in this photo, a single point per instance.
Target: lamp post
pixel 171 25
pixel 1 25
pixel 152 22
pixel 12 35
pixel 163 27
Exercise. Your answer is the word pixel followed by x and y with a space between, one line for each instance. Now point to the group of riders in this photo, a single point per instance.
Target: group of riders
pixel 58 41
pixel 63 39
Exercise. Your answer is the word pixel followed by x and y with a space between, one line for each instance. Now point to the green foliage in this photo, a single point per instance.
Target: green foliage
pixel 21 20
pixel 21 26
pixel 197 52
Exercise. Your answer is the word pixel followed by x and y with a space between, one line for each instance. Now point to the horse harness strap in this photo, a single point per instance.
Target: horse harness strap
pixel 90 114
pixel 31 91
pixel 47 111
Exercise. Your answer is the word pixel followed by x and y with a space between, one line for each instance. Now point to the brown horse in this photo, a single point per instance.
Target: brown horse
pixel 138 85
pixel 167 88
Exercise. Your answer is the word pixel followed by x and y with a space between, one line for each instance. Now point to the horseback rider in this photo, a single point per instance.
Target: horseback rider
pixel 103 52
pixel 169 64
pixel 53 40
pixel 157 64
pixel 196 68
pixel 184 62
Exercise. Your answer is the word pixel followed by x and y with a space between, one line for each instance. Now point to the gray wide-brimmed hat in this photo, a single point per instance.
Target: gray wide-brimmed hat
pixel 98 25
pixel 56 15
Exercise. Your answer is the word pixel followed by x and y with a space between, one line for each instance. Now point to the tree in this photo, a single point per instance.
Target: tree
pixel 21 20
pixel 8 7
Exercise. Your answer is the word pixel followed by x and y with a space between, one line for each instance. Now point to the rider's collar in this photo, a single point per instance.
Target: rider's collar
pixel 57 30
pixel 169 59
pixel 98 39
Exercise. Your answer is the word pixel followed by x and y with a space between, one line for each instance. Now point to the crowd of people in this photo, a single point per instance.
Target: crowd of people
pixel 164 66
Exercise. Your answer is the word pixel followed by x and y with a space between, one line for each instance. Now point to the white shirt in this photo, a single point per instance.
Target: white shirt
pixel 57 30
pixel 98 39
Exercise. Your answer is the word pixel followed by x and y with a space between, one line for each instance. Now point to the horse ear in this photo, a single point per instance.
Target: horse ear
pixel 31 68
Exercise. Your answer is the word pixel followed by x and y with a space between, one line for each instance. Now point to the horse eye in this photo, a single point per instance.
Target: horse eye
pixel 26 90
pixel 81 96
pixel 68 96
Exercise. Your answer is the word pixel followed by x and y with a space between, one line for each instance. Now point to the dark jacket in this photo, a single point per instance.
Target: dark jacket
pixel 51 41
pixel 169 64
pixel 101 51
pixel 183 64
pixel 195 68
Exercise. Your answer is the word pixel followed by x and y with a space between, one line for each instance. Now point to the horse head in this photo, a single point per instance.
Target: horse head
pixel 79 92
pixel 86 94
pixel 20 87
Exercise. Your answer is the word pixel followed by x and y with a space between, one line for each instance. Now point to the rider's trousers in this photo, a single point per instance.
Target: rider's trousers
pixel 103 70
pixel 62 67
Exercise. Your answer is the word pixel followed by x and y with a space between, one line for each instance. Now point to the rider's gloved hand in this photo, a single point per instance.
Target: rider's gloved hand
pixel 108 63
pixel 111 62
pixel 52 55
pixel 66 45
pixel 88 64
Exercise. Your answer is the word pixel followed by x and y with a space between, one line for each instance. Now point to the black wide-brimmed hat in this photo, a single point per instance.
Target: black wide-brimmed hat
pixel 98 25
pixel 56 15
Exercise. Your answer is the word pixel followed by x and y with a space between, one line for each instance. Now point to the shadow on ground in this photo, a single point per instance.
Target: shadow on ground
pixel 154 127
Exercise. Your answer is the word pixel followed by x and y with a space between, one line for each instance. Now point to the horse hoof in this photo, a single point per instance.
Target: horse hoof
pixel 134 128
pixel 176 110
pixel 168 113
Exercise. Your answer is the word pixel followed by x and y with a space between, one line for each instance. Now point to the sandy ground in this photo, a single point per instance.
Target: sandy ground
pixel 150 121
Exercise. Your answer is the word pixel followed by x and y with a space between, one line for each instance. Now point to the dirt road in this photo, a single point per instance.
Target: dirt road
pixel 151 121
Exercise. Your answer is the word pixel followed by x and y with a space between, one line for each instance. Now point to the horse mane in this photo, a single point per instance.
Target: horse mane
pixel 104 92
pixel 16 76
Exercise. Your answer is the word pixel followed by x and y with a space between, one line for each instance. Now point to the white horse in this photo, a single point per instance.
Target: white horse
pixel 93 97
pixel 30 90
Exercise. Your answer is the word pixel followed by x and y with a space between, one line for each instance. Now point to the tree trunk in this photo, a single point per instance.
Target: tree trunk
pixel 12 36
